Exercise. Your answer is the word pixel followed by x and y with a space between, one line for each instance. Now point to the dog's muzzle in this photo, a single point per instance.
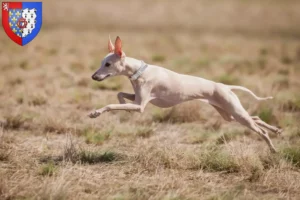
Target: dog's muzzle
pixel 97 78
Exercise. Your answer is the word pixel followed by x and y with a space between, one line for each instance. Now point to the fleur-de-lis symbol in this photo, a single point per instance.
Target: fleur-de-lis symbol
pixel 18 13
pixel 5 6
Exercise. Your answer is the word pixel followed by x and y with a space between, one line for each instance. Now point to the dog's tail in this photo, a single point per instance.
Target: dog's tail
pixel 236 87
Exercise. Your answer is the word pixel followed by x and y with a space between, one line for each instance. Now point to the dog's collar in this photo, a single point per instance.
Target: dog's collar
pixel 139 72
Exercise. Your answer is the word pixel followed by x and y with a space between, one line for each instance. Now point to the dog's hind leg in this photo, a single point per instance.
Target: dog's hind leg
pixel 247 121
pixel 223 113
pixel 231 104
pixel 267 126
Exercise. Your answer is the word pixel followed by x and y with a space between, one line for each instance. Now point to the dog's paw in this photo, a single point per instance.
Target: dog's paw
pixel 273 150
pixel 94 114
pixel 279 131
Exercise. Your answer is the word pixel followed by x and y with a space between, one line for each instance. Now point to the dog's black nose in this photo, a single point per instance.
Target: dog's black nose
pixel 94 77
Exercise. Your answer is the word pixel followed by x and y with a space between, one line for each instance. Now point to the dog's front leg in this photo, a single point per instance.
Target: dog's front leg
pixel 122 95
pixel 127 107
pixel 141 98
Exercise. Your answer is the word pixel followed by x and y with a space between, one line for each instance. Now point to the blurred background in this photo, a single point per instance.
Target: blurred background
pixel 49 148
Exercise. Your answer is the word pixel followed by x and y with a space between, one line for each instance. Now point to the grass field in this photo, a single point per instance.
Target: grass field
pixel 50 149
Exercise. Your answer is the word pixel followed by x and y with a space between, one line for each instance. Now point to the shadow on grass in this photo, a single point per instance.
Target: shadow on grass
pixel 84 157
pixel 72 153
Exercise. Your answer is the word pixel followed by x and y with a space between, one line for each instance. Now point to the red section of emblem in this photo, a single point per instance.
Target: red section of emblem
pixel 5 21
pixel 22 23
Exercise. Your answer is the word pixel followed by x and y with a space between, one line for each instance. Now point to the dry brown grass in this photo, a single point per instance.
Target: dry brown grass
pixel 50 149
pixel 186 112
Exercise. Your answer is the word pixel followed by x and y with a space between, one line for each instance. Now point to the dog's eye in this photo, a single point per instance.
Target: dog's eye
pixel 107 64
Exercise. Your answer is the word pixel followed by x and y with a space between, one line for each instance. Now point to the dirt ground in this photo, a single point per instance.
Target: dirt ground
pixel 50 149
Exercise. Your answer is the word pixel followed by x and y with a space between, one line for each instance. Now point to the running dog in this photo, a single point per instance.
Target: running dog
pixel 164 88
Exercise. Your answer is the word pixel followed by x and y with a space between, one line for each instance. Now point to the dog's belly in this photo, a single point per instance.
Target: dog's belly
pixel 162 103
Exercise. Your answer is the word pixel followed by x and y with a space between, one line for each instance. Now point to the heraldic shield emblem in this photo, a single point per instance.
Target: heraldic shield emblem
pixel 22 21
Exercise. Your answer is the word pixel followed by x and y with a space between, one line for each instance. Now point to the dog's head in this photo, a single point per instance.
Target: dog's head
pixel 113 63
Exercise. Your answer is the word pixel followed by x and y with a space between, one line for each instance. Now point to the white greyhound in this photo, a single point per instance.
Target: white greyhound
pixel 165 88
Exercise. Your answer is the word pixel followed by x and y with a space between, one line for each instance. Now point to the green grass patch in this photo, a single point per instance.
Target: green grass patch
pixel 228 79
pixel 158 58
pixel 48 169
pixel 218 160
pixel 266 114
pixel 227 137
pixel 75 154
pixel 292 154
pixel 92 157
pixel 93 136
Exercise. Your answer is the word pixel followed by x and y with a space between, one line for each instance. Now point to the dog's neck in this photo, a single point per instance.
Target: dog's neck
pixel 132 65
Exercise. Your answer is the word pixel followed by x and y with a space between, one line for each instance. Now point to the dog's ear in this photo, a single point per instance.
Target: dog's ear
pixel 111 47
pixel 118 47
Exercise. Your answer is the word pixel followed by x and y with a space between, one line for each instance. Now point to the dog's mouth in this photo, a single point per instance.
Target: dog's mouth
pixel 101 79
